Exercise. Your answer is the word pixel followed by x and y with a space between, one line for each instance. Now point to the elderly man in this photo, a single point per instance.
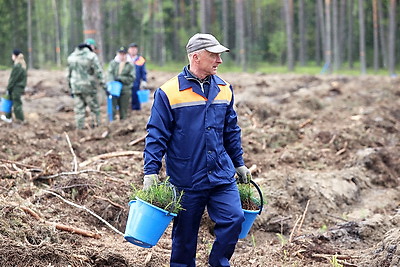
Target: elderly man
pixel 194 125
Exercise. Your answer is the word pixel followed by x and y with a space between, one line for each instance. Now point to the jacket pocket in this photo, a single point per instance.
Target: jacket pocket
pixel 179 170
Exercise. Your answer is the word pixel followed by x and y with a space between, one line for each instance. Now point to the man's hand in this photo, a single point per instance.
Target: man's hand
pixel 143 85
pixel 244 174
pixel 149 180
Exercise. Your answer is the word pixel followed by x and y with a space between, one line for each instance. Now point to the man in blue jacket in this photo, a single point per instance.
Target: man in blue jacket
pixel 193 124
pixel 141 74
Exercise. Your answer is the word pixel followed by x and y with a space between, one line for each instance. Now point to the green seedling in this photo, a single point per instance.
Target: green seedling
pixel 334 262
pixel 247 197
pixel 160 195
pixel 282 239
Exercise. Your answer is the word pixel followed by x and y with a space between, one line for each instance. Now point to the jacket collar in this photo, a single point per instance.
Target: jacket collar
pixel 186 79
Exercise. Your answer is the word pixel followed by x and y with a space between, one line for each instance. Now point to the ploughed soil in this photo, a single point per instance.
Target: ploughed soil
pixel 324 150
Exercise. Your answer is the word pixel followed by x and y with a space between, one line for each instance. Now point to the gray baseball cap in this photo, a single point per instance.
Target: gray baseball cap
pixel 205 41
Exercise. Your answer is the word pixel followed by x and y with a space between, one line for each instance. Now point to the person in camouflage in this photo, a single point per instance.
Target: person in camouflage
pixel 85 75
pixel 123 71
pixel 16 86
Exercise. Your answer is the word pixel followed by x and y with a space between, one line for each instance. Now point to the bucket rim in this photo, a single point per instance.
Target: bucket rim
pixel 158 208
pixel 251 211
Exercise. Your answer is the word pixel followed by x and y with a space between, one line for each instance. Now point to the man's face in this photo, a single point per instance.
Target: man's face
pixel 133 51
pixel 122 56
pixel 209 62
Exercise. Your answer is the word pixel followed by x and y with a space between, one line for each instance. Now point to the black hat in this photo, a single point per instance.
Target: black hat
pixel 16 52
pixel 122 49
pixel 133 45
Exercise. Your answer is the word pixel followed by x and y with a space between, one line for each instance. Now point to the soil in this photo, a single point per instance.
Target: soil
pixel 324 149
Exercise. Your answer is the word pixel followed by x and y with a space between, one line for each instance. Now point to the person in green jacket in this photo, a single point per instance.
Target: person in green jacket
pixel 16 86
pixel 123 71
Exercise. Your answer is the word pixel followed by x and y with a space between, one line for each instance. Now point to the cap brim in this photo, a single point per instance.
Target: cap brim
pixel 217 49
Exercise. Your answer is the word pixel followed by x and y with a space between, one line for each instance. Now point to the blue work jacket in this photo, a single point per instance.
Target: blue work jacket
pixel 141 73
pixel 199 136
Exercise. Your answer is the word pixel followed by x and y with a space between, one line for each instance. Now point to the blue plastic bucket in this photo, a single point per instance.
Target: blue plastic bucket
pixel 249 218
pixel 143 95
pixel 251 215
pixel 5 105
pixel 146 223
pixel 114 88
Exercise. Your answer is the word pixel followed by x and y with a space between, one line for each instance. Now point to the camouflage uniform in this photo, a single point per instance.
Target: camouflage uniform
pixel 126 77
pixel 84 76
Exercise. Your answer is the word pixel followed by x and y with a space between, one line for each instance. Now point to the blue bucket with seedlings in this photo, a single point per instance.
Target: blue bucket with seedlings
pixel 114 88
pixel 146 223
pixel 143 95
pixel 251 215
pixel 5 105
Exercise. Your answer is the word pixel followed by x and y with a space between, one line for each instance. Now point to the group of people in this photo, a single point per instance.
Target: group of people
pixel 193 124
pixel 85 76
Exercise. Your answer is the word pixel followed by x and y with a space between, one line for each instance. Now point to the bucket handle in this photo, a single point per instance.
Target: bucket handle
pixel 260 194
pixel 172 207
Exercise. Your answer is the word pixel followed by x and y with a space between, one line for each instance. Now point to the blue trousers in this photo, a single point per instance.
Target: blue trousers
pixel 224 208
pixel 135 99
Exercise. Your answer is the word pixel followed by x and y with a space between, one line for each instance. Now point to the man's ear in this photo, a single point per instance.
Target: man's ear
pixel 196 57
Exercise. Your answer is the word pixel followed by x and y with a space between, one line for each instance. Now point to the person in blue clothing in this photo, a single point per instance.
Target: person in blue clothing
pixel 194 125
pixel 141 74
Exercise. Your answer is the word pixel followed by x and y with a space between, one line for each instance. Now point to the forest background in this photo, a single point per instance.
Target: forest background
pixel 323 36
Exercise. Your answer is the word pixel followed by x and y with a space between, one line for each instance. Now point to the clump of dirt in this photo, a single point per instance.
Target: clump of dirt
pixel 324 150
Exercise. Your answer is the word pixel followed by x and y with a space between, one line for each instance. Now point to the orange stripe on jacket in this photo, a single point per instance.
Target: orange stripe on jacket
pixel 140 61
pixel 177 97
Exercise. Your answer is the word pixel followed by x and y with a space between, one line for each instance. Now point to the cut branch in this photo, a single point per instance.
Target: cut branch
pixel 111 202
pixel 110 155
pixel 138 140
pixel 72 152
pixel 86 209
pixel 21 164
pixel 60 226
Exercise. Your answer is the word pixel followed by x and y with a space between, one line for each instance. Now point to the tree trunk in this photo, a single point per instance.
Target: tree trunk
pixel 382 35
pixel 176 53
pixel 204 16
pixel 335 29
pixel 29 54
pixel 159 34
pixel 350 34
pixel 302 32
pixel 321 19
pixel 289 33
pixel 392 37
pixel 57 33
pixel 318 38
pixel 376 40
pixel 92 23
pixel 362 36
pixel 40 53
pixel 240 37
pixel 193 14
pixel 342 30
pixel 328 41
pixel 225 23
pixel 66 25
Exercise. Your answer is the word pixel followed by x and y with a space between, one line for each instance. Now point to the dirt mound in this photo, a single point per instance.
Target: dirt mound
pixel 324 150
